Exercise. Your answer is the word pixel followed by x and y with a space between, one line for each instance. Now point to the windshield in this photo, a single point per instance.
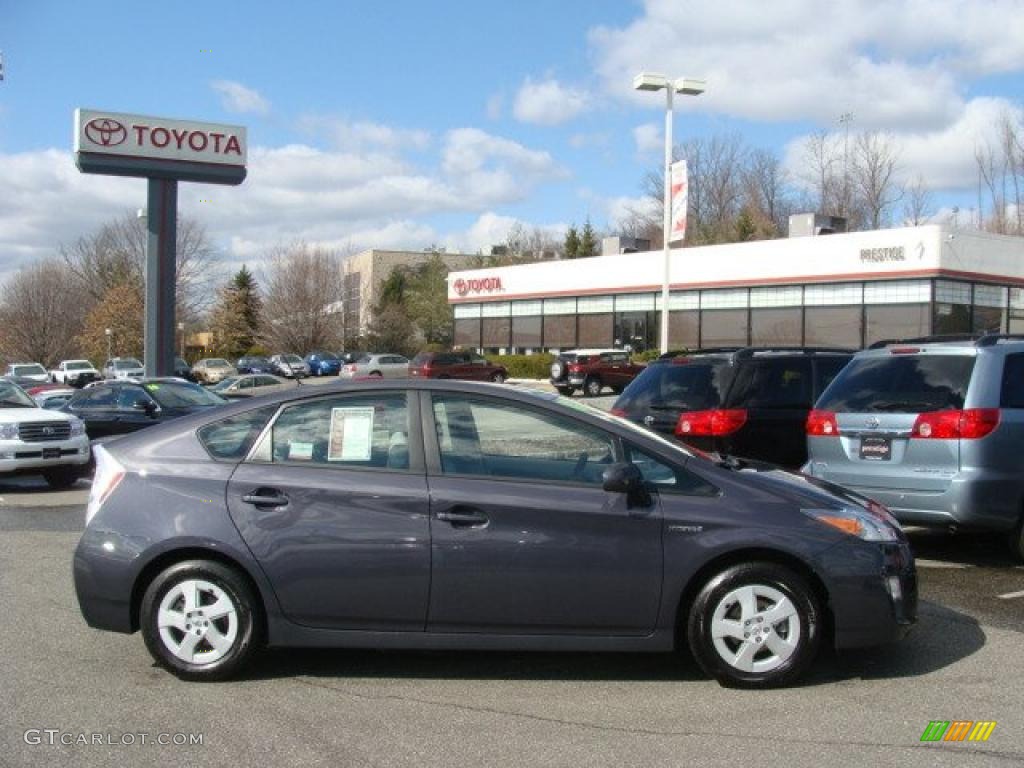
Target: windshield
pixel 12 396
pixel 173 394
pixel 78 365
pixel 900 384
pixel 293 359
pixel 329 357
pixel 225 383
pixel 28 370
pixel 126 364
pixel 218 362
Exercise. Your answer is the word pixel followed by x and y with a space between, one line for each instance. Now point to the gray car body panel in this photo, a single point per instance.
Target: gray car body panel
pixel 181 504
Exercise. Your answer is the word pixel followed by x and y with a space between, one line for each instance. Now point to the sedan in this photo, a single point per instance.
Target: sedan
pixel 252 385
pixel 289 366
pixel 387 366
pixel 460 515
pixel 210 370
pixel 323 363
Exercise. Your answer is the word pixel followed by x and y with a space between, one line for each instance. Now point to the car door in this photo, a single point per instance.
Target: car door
pixel 525 539
pixel 333 504
pixel 395 367
pixel 97 407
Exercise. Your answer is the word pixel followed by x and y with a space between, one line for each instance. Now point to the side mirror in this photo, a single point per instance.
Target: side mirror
pixel 626 478
pixel 147 406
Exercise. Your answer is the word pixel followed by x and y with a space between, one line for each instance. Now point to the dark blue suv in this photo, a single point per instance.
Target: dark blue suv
pixel 323 363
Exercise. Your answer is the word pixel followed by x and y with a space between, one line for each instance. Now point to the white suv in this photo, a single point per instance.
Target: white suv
pixel 36 441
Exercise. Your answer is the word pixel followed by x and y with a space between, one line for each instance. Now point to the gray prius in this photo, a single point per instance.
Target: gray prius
pixel 458 515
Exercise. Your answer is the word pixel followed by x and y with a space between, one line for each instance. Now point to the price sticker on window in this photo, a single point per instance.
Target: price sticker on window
pixel 351 434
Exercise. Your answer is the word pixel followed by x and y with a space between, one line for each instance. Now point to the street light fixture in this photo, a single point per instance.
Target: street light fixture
pixel 108 333
pixel 649 81
pixel 181 330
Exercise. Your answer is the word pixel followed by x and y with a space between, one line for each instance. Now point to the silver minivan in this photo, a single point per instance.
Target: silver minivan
pixel 932 430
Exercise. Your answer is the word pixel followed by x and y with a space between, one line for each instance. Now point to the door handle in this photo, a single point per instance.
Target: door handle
pixel 464 517
pixel 266 497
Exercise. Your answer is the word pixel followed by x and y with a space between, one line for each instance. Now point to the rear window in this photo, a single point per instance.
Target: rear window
pixel 687 387
pixel 900 384
pixel 780 383
pixel 422 359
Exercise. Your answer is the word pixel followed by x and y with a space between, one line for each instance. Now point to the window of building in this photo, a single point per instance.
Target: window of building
pixel 723 328
pixel 526 332
pixel 779 327
pixel 595 330
pixel 496 332
pixel 559 331
pixel 833 327
pixel 467 332
pixel 904 321
pixel 636 329
pixel 777 296
pixel 683 330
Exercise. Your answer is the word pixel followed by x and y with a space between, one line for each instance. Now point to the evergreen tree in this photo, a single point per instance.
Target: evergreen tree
pixel 572 243
pixel 588 241
pixel 236 318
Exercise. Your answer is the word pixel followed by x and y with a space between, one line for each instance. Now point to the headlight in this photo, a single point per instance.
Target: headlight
pixel 8 431
pixel 77 427
pixel 868 524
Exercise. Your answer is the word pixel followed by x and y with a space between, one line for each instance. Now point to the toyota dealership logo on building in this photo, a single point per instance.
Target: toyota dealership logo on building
pixel 105 132
pixel 463 287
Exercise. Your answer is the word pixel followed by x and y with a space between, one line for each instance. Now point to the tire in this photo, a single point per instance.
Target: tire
pixel 592 386
pixel 498 378
pixel 772 654
pixel 62 478
pixel 226 641
pixel 565 391
pixel 1016 541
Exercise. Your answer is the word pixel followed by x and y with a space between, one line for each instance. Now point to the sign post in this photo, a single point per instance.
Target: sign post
pixel 164 151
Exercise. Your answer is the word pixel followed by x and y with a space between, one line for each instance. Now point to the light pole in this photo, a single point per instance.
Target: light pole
pixel 108 333
pixel 846 118
pixel 181 330
pixel 647 81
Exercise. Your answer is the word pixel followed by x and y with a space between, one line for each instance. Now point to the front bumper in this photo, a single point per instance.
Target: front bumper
pixel 17 456
pixel 872 592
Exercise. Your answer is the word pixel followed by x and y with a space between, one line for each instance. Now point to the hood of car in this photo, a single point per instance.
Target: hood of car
pixel 29 415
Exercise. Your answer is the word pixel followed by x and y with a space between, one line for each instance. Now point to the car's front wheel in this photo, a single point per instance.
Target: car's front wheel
pixel 498 378
pixel 592 387
pixel 198 620
pixel 755 625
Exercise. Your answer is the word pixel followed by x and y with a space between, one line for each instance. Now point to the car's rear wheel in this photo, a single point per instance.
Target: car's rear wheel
pixel 498 378
pixel 63 477
pixel 755 625
pixel 198 620
pixel 378 374
pixel 592 387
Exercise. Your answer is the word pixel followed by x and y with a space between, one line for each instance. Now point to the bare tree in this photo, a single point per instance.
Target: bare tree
pixel 766 193
pixel 822 162
pixel 918 208
pixel 302 295
pixel 991 179
pixel 41 311
pixel 874 175
pixel 116 253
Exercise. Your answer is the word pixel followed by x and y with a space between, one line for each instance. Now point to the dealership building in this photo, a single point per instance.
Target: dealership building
pixel 845 290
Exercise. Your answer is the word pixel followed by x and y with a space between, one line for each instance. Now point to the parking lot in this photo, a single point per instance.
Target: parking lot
pixel 80 697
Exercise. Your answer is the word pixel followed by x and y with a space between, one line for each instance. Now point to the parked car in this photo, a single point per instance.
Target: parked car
pixel 350 357
pixel 592 370
pixel 418 514
pixel 254 364
pixel 75 373
pixel 28 372
pixel 36 441
pixel 210 370
pixel 53 399
pixel 289 366
pixel 119 407
pixel 388 366
pixel 183 370
pixel 750 402
pixel 456 365
pixel 933 429
pixel 123 368
pixel 323 363
pixel 251 385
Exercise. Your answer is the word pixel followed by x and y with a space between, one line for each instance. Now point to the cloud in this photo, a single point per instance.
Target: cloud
pixel 358 135
pixel 896 66
pixel 548 102
pixel 649 138
pixel 491 169
pixel 495 106
pixel 235 97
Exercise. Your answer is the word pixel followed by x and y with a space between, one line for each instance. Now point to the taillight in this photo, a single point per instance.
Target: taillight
pixel 968 424
pixel 715 423
pixel 351 367
pixel 822 424
pixel 903 350
pixel 575 367
pixel 109 474
pixel 618 412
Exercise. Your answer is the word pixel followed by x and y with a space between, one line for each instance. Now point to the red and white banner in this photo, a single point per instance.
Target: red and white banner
pixel 680 198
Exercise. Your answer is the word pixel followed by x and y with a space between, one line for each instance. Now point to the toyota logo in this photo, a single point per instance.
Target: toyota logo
pixel 648 420
pixel 872 423
pixel 105 132
pixel 48 430
pixel 461 287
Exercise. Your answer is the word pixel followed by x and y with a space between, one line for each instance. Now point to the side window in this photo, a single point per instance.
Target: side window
pixel 247 382
pixel 827 368
pixel 96 397
pixel 668 478
pixel 129 396
pixel 233 437
pixel 482 437
pixel 265 381
pixel 778 383
pixel 364 431
pixel 1012 395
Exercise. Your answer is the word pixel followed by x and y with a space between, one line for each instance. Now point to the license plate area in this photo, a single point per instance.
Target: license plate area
pixel 51 453
pixel 876 448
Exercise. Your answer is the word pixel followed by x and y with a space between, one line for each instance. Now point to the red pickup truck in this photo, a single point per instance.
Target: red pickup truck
pixel 592 370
